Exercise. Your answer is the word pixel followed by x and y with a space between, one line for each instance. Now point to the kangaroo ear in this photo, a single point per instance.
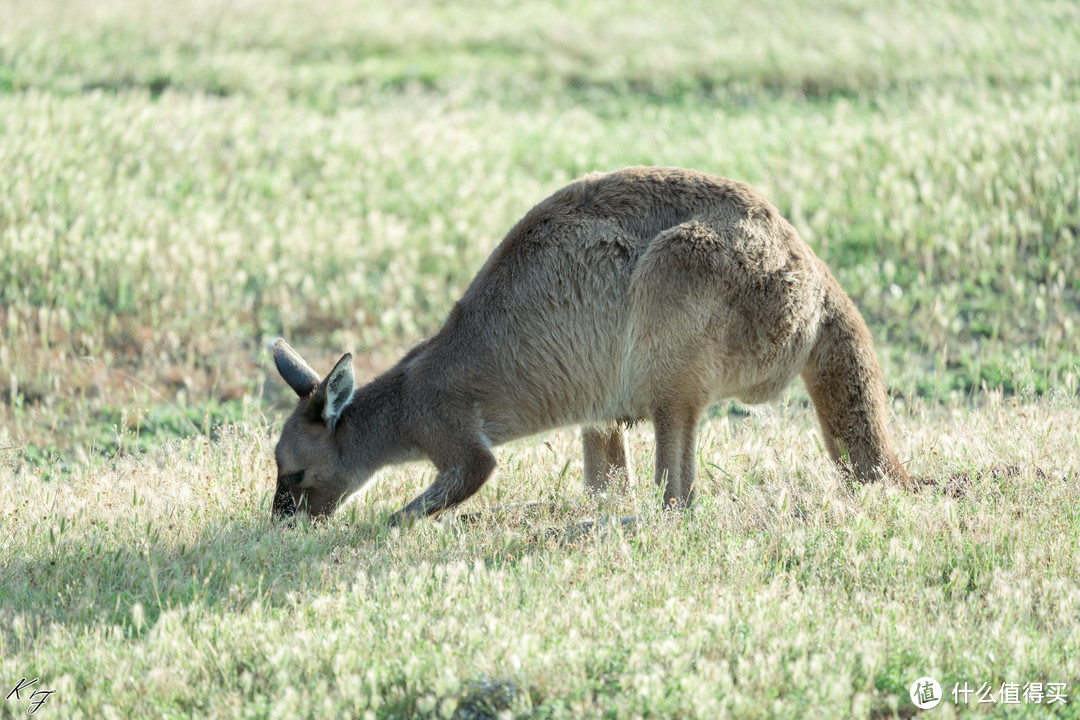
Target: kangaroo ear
pixel 336 391
pixel 297 373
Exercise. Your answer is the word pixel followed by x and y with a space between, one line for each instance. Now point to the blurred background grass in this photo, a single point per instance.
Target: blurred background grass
pixel 183 182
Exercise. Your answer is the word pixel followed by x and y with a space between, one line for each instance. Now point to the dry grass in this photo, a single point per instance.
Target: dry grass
pixel 157 587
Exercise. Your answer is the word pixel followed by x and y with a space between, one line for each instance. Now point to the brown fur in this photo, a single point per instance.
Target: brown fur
pixel 647 293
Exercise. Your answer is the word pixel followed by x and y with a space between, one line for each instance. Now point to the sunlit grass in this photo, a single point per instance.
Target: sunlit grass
pixel 158 586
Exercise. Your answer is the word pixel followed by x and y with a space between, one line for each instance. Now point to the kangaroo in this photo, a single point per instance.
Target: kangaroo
pixel 646 293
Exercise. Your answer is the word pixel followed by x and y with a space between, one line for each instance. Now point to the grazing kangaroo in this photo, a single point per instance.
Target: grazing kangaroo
pixel 647 293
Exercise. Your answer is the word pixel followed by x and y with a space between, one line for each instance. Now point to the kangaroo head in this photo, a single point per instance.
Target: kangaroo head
pixel 311 473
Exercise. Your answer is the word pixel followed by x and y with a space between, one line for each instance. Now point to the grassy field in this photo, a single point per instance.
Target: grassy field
pixel 181 183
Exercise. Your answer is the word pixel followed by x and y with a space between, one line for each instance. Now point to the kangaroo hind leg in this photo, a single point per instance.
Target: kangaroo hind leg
pixel 676 445
pixel 606 455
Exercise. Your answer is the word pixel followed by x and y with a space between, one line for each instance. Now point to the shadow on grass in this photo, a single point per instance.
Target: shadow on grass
pixel 124 575
pixel 89 583
pixel 958 484
pixel 566 535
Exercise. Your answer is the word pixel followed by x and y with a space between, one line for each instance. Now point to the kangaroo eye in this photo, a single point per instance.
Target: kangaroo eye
pixel 291 480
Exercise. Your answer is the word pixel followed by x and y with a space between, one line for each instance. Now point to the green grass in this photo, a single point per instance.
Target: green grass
pixel 180 183
pixel 156 586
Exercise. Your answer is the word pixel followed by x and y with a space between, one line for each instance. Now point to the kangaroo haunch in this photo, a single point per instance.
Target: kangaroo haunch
pixel 647 293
